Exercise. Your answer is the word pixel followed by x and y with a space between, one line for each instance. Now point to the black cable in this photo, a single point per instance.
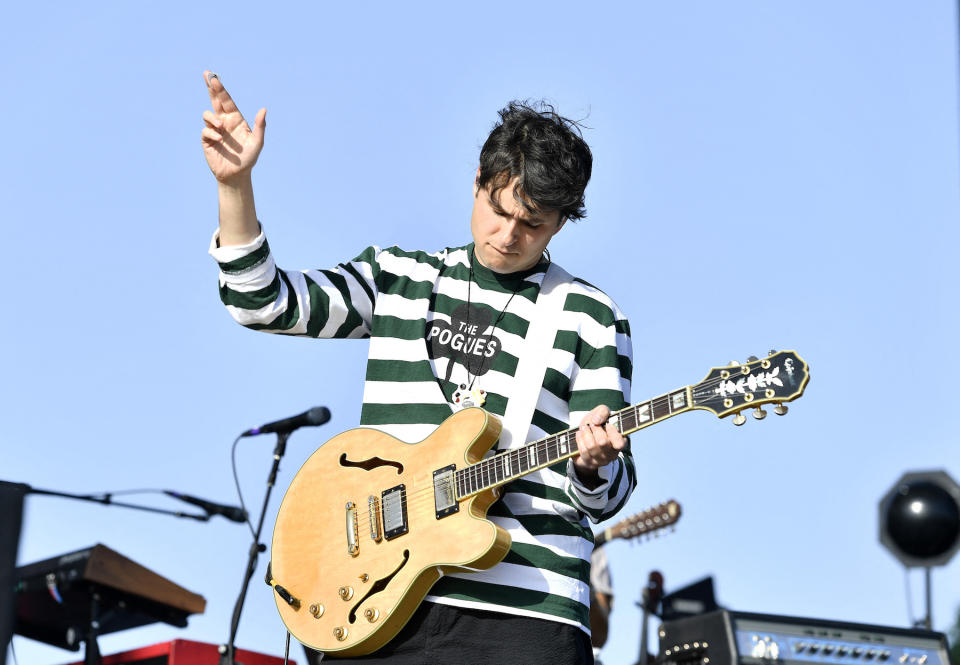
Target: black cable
pixel 236 481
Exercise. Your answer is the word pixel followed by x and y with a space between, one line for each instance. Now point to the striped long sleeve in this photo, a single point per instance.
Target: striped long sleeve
pixel 439 323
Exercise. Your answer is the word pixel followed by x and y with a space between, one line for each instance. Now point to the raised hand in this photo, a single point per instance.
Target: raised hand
pixel 230 146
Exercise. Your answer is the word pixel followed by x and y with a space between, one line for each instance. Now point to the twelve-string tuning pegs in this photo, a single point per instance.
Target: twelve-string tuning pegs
pixel 780 409
pixel 739 419
pixel 759 413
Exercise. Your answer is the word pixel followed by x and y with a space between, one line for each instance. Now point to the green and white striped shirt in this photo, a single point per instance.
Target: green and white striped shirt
pixel 432 328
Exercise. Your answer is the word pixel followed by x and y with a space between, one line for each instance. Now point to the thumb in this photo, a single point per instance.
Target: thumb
pixel 260 125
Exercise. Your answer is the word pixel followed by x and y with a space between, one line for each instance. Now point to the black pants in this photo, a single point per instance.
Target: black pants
pixel 446 635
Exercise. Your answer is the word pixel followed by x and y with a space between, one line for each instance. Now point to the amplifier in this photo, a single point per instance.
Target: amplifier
pixel 741 638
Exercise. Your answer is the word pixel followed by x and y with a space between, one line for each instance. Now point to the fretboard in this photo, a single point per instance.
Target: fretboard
pixel 517 462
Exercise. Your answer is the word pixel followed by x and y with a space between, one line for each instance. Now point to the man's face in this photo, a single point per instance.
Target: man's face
pixel 506 235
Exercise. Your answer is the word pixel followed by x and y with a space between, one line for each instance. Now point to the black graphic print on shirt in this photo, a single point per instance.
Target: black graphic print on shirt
pixel 467 340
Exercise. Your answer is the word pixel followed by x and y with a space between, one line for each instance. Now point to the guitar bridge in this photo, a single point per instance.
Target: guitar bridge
pixel 444 494
pixel 373 507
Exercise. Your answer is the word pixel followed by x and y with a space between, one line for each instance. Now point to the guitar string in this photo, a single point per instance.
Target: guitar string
pixel 486 467
pixel 491 466
pixel 489 472
pixel 484 474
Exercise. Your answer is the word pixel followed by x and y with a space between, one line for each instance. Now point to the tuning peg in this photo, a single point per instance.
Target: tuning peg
pixel 752 359
pixel 733 363
pixel 772 352
pixel 780 409
pixel 759 413
pixel 739 419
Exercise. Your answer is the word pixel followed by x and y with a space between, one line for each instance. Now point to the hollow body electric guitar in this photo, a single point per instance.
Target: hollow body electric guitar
pixel 370 523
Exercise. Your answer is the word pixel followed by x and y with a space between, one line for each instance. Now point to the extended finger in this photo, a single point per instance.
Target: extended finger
pixel 220 99
pixel 210 135
pixel 212 119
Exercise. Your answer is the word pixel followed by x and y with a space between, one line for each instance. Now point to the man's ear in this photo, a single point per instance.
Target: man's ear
pixel 476 183
pixel 559 226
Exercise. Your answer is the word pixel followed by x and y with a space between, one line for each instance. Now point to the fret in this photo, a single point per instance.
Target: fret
pixel 515 463
pixel 660 408
pixel 678 400
pixel 643 413
pixel 521 460
pixel 510 464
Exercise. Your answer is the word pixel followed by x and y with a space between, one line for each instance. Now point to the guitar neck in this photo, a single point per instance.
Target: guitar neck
pixel 518 462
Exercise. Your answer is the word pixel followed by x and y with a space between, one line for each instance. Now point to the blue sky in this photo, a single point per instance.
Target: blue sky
pixel 767 175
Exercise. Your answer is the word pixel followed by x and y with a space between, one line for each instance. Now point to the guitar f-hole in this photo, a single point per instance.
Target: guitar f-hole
pixel 371 463
pixel 378 586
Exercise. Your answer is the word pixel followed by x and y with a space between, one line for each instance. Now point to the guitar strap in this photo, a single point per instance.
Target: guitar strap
pixel 532 364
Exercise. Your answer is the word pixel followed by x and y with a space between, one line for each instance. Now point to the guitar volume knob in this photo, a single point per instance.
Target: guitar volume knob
pixel 371 614
pixel 346 592
pixel 340 633
pixel 316 609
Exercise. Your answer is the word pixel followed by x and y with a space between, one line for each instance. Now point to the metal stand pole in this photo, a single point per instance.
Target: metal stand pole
pixel 928 620
pixel 227 650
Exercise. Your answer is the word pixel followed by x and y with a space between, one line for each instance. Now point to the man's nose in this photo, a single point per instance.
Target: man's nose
pixel 509 232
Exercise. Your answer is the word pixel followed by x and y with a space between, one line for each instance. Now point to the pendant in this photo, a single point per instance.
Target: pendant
pixel 464 398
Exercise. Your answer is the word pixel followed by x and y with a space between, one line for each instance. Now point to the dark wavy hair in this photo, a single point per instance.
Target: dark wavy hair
pixel 547 155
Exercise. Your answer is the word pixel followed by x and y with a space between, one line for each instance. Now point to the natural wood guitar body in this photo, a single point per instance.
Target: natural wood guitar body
pixel 353 603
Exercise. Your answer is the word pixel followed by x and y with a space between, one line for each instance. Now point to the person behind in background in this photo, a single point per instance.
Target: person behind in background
pixel 447 328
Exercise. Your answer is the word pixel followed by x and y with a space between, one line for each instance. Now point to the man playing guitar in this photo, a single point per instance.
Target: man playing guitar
pixel 447 329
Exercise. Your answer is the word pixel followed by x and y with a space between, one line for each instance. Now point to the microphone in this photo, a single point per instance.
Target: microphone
pixel 232 513
pixel 318 415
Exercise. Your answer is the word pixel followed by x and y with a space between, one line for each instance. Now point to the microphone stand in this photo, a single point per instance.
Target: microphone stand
pixel 227 650
pixel 107 499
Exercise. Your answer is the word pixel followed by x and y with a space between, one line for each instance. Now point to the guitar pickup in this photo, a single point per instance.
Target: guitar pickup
pixel 444 491
pixel 394 511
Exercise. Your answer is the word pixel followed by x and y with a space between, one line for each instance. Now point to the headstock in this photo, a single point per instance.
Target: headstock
pixel 778 378
pixel 658 517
